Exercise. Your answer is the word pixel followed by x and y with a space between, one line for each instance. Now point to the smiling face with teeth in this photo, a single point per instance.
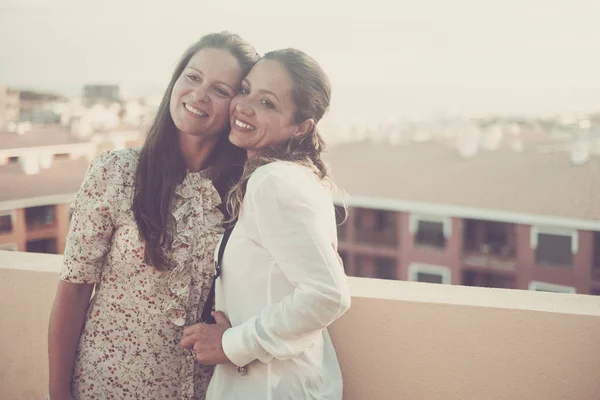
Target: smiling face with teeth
pixel 201 96
pixel 262 113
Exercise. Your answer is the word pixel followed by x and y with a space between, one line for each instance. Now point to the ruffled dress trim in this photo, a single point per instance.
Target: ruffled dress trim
pixel 196 217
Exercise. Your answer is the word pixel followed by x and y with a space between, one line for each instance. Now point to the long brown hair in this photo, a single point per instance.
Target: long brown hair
pixel 161 167
pixel 311 95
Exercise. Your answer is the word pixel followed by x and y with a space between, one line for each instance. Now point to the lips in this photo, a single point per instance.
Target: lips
pixel 242 125
pixel 195 111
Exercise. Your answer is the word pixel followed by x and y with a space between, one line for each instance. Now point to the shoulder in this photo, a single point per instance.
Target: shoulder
pixel 284 179
pixel 116 167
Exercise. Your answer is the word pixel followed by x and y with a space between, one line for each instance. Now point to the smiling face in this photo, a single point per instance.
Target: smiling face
pixel 201 95
pixel 262 114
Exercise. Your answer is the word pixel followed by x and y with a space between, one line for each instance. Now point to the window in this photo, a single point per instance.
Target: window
pixel 429 278
pixel 496 238
pixel 375 227
pixel 36 216
pixel 6 222
pixel 554 249
pixel 358 218
pixel 429 273
pixel 550 287
pixel 470 234
pixel 430 234
pixel 496 233
pixel 488 237
pixel 384 221
pixel 385 268
pixel 430 231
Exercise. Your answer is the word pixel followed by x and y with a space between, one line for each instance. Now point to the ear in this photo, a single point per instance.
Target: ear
pixel 304 127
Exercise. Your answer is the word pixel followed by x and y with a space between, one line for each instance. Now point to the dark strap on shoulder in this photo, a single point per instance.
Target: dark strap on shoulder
pixel 208 305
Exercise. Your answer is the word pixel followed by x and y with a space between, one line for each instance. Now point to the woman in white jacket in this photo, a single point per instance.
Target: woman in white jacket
pixel 282 282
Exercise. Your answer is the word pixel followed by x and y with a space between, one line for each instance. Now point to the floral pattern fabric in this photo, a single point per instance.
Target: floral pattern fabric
pixel 129 347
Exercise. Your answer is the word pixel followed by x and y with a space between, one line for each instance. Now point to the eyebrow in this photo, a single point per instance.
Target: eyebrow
pixel 247 82
pixel 202 73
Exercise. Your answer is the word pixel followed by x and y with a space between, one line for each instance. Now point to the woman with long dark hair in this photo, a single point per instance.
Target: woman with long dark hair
pixel 144 228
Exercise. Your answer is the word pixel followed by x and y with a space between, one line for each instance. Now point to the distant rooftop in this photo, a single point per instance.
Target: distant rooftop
pixel 52 135
pixel 63 177
pixel 529 182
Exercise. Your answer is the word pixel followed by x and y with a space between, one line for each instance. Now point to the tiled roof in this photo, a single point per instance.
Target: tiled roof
pixel 530 181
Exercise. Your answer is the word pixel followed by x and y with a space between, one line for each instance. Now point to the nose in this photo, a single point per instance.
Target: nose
pixel 242 106
pixel 201 93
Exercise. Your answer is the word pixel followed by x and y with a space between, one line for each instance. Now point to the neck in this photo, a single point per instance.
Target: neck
pixel 196 151
pixel 250 154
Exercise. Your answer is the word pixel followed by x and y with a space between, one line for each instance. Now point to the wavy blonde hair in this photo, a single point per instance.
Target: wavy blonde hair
pixel 311 94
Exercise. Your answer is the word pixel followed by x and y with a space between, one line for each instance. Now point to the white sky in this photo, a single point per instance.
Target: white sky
pixel 384 57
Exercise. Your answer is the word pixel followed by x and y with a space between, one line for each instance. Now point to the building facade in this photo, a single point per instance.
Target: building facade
pixel 454 250
pixel 38 229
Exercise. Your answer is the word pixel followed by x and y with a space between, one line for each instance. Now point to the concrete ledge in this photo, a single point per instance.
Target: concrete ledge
pixel 35 262
pixel 575 304
pixel 399 340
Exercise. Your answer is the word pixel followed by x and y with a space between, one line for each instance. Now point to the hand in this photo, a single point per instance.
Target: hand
pixel 206 340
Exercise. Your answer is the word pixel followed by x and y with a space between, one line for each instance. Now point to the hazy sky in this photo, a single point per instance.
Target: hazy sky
pixel 385 58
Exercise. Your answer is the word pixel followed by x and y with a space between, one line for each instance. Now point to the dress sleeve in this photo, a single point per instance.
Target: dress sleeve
pixel 294 220
pixel 92 223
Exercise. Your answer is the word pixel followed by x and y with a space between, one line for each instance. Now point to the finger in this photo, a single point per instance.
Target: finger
pixel 220 318
pixel 187 342
pixel 191 329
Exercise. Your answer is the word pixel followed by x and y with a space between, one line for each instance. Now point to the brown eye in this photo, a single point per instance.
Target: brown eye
pixel 267 103
pixel 221 92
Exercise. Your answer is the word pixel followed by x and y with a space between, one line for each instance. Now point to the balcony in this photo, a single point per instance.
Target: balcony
pixel 489 245
pixel 375 227
pixel 400 340
pixel 488 260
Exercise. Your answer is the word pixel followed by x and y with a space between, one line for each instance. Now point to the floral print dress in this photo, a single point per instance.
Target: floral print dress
pixel 129 347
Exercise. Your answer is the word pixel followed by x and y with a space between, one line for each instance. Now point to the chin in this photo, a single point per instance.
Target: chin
pixel 235 140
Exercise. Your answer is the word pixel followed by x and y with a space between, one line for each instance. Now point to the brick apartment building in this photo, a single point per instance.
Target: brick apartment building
pixel 34 208
pixel 507 219
pixel 40 173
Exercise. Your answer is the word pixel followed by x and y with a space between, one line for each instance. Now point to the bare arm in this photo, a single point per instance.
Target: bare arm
pixel 66 323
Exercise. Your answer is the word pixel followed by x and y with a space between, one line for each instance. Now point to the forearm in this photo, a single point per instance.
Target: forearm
pixel 285 329
pixel 66 323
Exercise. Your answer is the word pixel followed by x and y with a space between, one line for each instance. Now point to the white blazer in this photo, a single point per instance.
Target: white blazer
pixel 281 285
